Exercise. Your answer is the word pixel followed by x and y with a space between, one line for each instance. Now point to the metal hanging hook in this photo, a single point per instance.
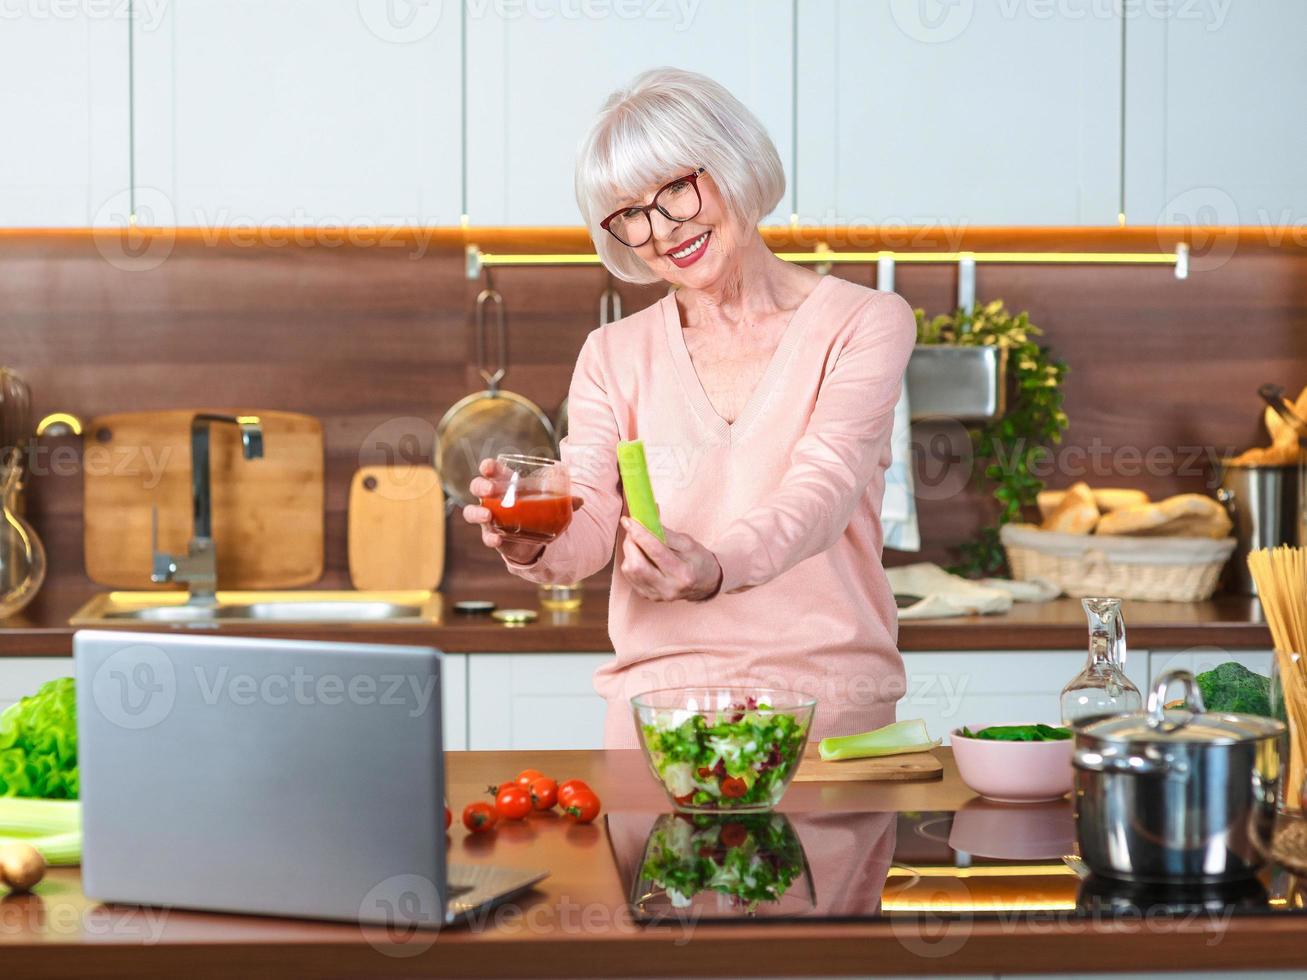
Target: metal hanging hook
pixel 610 303
pixel 491 295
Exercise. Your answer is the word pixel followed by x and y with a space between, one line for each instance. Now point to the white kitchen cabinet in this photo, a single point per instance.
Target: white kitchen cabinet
pixel 950 689
pixel 950 115
pixel 255 115
pixel 534 701
pixel 21 677
pixel 1216 120
pixel 453 679
pixel 539 72
pixel 63 102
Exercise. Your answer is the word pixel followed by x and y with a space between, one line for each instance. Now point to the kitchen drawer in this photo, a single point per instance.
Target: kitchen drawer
pixel 21 676
pixel 534 701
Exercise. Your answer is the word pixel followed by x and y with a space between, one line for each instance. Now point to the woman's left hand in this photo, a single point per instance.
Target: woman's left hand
pixel 680 569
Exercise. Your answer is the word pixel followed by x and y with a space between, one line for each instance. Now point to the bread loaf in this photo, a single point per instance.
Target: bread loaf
pixel 1105 499
pixel 1190 515
pixel 1076 513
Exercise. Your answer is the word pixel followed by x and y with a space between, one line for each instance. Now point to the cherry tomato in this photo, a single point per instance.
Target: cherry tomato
pixel 584 806
pixel 733 835
pixel 567 788
pixel 513 802
pixel 528 776
pixel 544 793
pixel 704 772
pixel 479 817
pixel 683 800
pixel 733 788
pixel 449 817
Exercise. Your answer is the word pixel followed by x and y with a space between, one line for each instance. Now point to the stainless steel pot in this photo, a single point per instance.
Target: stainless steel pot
pixel 1176 796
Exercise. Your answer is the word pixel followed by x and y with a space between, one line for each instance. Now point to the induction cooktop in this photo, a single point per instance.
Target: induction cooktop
pixel 985 861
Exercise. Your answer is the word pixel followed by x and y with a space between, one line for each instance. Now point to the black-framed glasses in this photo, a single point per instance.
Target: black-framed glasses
pixel 677 200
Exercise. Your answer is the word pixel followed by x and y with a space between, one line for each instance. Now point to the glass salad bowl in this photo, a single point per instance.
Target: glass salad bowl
pixel 720 750
pixel 750 865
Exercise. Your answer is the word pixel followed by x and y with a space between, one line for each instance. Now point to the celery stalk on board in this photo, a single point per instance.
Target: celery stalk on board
pixel 896 739
pixel 53 827
pixel 640 501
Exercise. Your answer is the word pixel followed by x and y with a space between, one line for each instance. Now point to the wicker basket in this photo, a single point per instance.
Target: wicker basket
pixel 1172 569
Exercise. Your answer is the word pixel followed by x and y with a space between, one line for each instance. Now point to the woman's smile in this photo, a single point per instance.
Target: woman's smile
pixel 689 251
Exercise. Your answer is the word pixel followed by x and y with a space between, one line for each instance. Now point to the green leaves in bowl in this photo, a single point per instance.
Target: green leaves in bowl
pixel 1017 733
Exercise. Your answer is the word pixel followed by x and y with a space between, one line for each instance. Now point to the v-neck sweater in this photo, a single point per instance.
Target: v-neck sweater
pixel 787 497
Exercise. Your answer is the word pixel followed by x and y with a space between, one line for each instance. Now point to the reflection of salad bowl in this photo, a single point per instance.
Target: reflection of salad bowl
pixel 748 864
pixel 723 749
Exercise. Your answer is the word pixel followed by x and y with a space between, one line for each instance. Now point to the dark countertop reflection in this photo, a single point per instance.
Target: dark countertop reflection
pixel 985 860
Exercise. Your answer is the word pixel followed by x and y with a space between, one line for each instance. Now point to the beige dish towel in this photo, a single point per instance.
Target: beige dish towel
pixel 943 594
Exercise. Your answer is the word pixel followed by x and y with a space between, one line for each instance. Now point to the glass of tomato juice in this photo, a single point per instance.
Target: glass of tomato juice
pixel 532 499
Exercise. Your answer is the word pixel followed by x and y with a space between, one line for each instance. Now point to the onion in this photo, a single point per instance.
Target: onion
pixel 21 866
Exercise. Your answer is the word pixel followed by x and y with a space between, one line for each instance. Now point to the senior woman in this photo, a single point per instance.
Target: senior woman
pixel 764 394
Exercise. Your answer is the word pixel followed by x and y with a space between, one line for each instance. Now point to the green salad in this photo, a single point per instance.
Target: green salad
pixel 741 761
pixel 1018 733
pixel 753 858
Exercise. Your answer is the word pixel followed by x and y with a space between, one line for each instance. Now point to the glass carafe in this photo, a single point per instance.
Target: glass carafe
pixel 1102 688
pixel 22 558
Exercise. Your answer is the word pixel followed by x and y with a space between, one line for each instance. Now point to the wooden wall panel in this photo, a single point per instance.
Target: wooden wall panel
pixel 367 336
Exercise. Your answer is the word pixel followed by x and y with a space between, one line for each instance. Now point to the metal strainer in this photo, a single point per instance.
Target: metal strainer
pixel 487 423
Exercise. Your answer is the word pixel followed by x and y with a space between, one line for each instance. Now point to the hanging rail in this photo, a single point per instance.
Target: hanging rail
pixel 824 256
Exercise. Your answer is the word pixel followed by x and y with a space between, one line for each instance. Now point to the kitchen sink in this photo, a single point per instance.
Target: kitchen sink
pixel 288 608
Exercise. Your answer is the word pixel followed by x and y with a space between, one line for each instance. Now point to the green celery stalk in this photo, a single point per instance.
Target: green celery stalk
pixel 53 827
pixel 634 469
pixel 896 739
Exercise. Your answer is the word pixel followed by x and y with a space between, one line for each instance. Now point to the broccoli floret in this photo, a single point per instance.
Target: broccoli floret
pixel 1233 687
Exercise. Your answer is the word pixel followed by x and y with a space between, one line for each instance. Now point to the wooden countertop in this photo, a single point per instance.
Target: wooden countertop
pixel 576 923
pixel 1229 622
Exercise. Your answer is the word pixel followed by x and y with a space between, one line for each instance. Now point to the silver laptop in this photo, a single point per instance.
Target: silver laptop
pixel 279 777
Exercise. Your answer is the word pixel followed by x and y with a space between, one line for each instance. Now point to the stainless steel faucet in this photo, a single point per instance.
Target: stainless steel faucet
pixel 198 568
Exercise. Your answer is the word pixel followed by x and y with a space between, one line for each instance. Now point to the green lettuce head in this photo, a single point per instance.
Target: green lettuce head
pixel 38 744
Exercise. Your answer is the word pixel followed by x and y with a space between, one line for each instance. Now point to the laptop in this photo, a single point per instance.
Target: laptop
pixel 277 777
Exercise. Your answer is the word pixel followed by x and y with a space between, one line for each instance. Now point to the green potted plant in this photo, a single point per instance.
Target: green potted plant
pixel 1006 449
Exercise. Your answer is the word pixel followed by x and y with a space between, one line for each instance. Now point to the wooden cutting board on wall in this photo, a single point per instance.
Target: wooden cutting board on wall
pixel 396 528
pixel 267 513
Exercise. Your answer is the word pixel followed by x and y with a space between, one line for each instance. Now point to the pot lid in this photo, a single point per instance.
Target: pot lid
pixel 1193 723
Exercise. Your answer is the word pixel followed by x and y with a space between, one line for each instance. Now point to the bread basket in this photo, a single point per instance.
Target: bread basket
pixel 1173 569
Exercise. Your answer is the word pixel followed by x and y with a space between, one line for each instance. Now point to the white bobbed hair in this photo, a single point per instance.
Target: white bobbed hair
pixel 665 123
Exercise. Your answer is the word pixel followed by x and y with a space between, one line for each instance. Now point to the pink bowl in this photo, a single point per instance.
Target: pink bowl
pixel 1014 772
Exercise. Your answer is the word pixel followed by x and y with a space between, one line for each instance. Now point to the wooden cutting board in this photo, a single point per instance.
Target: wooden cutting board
pixel 889 768
pixel 396 528
pixel 267 513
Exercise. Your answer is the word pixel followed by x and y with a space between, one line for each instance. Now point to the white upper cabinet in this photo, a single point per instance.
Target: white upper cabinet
pixel 921 112
pixel 538 73
pixel 63 100
pixel 1216 122
pixel 299 112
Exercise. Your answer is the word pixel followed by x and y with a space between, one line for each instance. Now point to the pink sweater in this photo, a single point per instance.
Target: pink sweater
pixel 788 497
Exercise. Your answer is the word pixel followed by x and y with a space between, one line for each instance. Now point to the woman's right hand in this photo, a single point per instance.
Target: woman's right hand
pixel 491 483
